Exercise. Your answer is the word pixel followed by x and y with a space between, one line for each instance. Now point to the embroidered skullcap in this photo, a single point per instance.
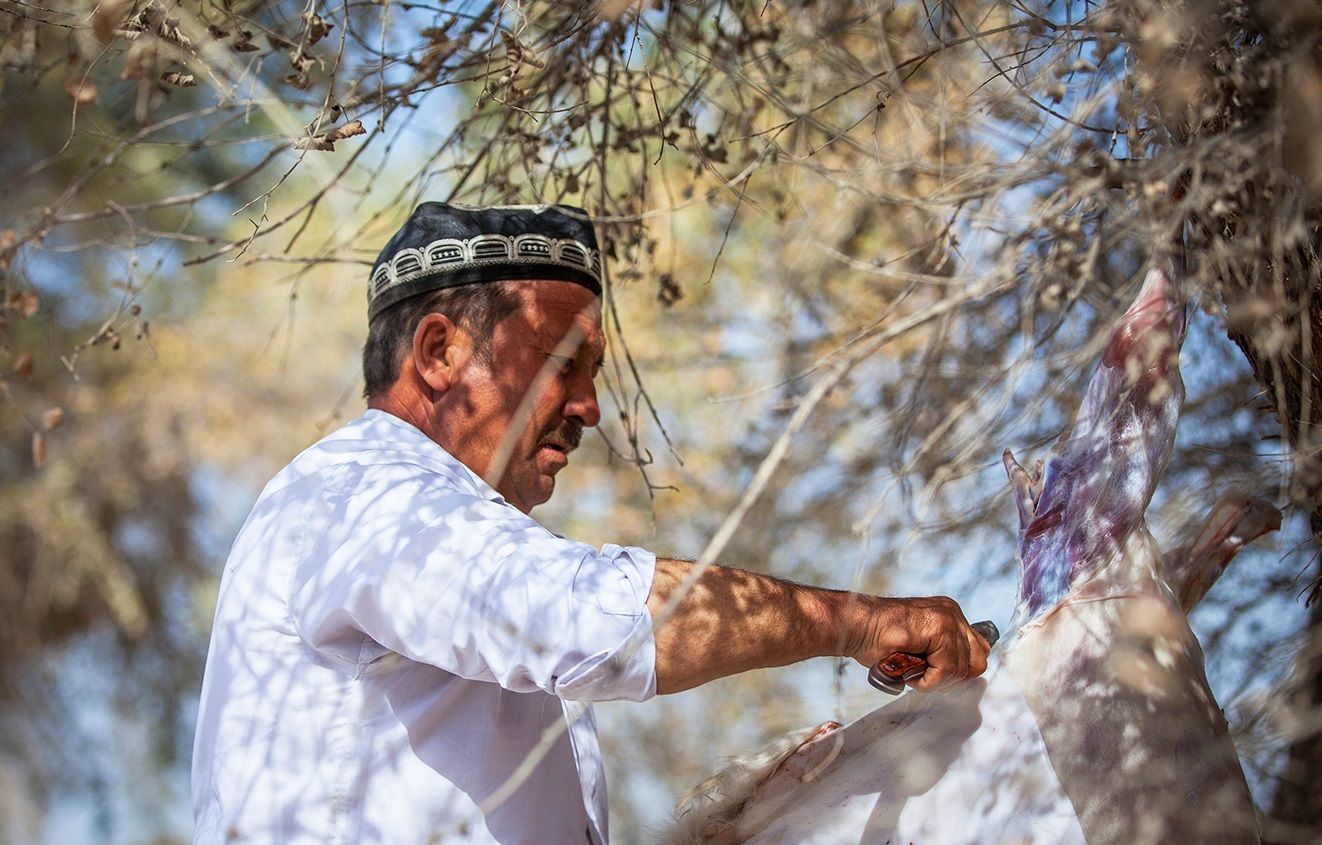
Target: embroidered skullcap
pixel 443 245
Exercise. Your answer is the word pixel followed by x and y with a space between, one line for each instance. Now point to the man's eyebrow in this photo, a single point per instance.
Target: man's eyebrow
pixel 597 363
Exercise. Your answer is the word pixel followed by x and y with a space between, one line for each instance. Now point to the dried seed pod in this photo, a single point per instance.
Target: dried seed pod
pixel 179 79
pixel 317 27
pixel 38 449
pixel 348 130
pixel 23 366
pixel 53 418
pixel 326 118
pixel 326 142
pixel 242 42
pixel 317 143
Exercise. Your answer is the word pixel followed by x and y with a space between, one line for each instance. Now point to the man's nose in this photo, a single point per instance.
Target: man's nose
pixel 581 406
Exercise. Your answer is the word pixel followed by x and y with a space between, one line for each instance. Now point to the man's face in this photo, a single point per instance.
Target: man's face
pixel 525 411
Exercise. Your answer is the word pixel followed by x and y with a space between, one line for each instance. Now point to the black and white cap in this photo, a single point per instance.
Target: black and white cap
pixel 444 245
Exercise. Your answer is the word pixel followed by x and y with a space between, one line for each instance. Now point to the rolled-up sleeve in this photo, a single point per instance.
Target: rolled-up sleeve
pixel 622 596
pixel 479 589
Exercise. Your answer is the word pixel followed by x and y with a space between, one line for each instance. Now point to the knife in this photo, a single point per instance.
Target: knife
pixel 891 674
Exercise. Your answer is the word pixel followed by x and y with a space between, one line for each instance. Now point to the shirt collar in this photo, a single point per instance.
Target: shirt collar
pixel 389 433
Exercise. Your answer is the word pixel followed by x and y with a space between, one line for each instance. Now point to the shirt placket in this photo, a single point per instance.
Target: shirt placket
pixel 587 759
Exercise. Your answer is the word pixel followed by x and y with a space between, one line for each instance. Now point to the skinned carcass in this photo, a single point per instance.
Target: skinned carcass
pixel 1094 722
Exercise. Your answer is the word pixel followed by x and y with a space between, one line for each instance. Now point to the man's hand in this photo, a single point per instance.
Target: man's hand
pixel 933 628
pixel 732 621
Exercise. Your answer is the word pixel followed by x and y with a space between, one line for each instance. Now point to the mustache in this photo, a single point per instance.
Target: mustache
pixel 567 434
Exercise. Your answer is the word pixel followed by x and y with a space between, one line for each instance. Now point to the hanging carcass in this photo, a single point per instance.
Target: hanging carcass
pixel 1094 722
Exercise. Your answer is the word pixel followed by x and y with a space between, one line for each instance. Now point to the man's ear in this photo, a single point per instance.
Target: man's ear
pixel 440 350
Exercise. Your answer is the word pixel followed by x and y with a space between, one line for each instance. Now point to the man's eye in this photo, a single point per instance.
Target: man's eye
pixel 563 363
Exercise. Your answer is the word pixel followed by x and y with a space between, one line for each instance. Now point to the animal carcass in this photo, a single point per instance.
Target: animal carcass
pixel 1094 722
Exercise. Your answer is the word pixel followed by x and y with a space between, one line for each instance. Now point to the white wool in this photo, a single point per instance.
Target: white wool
pixel 707 813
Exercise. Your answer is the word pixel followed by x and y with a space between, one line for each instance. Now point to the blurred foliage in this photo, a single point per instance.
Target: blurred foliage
pixel 884 237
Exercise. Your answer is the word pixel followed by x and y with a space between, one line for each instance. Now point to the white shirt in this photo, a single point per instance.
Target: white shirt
pixel 392 640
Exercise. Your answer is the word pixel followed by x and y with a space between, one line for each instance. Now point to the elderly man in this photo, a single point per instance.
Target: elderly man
pixel 400 653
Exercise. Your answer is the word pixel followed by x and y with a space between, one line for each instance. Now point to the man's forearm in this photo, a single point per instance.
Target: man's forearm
pixel 732 621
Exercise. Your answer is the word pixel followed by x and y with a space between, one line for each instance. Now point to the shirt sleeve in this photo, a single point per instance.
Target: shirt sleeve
pixel 479 589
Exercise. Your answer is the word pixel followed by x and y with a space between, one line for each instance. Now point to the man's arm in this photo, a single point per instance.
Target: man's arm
pixel 732 621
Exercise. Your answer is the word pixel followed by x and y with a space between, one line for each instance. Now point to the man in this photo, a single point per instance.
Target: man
pixel 401 654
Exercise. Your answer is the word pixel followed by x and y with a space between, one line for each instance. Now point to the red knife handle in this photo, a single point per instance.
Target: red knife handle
pixel 893 673
pixel 890 674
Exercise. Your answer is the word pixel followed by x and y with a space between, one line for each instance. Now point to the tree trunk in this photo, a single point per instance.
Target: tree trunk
pixel 1291 383
pixel 1296 811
